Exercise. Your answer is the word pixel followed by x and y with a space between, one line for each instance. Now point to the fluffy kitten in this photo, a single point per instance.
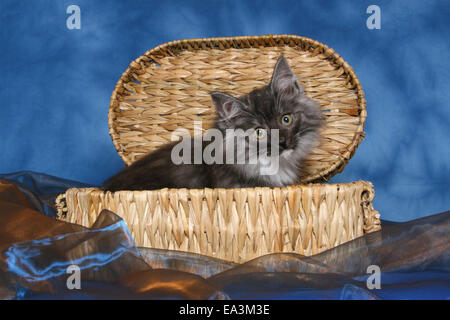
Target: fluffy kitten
pixel 282 105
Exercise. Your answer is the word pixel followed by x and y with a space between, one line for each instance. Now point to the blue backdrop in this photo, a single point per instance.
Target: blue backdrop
pixel 56 83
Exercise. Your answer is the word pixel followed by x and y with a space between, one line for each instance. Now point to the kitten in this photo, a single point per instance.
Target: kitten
pixel 282 105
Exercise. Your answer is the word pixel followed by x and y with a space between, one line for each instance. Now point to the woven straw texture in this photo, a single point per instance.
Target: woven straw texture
pixel 234 224
pixel 168 88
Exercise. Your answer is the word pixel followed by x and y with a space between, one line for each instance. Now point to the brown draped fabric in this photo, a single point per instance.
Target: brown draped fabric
pixel 36 251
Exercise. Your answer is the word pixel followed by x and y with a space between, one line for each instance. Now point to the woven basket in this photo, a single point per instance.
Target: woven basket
pixel 168 88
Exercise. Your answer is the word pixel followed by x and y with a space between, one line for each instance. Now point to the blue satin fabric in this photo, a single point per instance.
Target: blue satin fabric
pixel 413 257
pixel 42 189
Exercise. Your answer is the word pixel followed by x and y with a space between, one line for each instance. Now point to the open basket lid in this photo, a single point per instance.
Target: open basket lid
pixel 167 88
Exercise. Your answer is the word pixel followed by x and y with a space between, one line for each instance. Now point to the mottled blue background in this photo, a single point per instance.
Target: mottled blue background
pixel 55 83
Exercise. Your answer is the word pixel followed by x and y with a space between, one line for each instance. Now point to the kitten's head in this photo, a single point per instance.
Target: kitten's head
pixel 282 105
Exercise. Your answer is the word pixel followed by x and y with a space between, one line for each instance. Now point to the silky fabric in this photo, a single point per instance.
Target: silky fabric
pixel 37 250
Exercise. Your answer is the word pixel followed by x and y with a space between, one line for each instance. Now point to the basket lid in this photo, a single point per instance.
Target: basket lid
pixel 168 88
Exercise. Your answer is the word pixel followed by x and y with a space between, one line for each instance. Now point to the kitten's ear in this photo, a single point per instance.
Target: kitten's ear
pixel 283 79
pixel 227 106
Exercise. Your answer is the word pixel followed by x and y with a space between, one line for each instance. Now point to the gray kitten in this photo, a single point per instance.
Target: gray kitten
pixel 282 105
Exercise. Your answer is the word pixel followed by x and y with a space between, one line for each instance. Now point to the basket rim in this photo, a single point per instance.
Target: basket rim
pixel 363 183
pixel 242 42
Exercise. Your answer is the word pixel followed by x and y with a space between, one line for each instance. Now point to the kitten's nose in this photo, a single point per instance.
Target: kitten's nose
pixel 283 144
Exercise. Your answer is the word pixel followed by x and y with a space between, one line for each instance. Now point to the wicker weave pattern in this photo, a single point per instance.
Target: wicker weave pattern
pixel 168 88
pixel 234 224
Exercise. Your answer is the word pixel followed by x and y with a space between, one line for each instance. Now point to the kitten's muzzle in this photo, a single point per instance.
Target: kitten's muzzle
pixel 283 143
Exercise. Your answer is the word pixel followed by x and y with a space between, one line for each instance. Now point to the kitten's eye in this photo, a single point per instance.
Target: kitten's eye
pixel 286 119
pixel 260 133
